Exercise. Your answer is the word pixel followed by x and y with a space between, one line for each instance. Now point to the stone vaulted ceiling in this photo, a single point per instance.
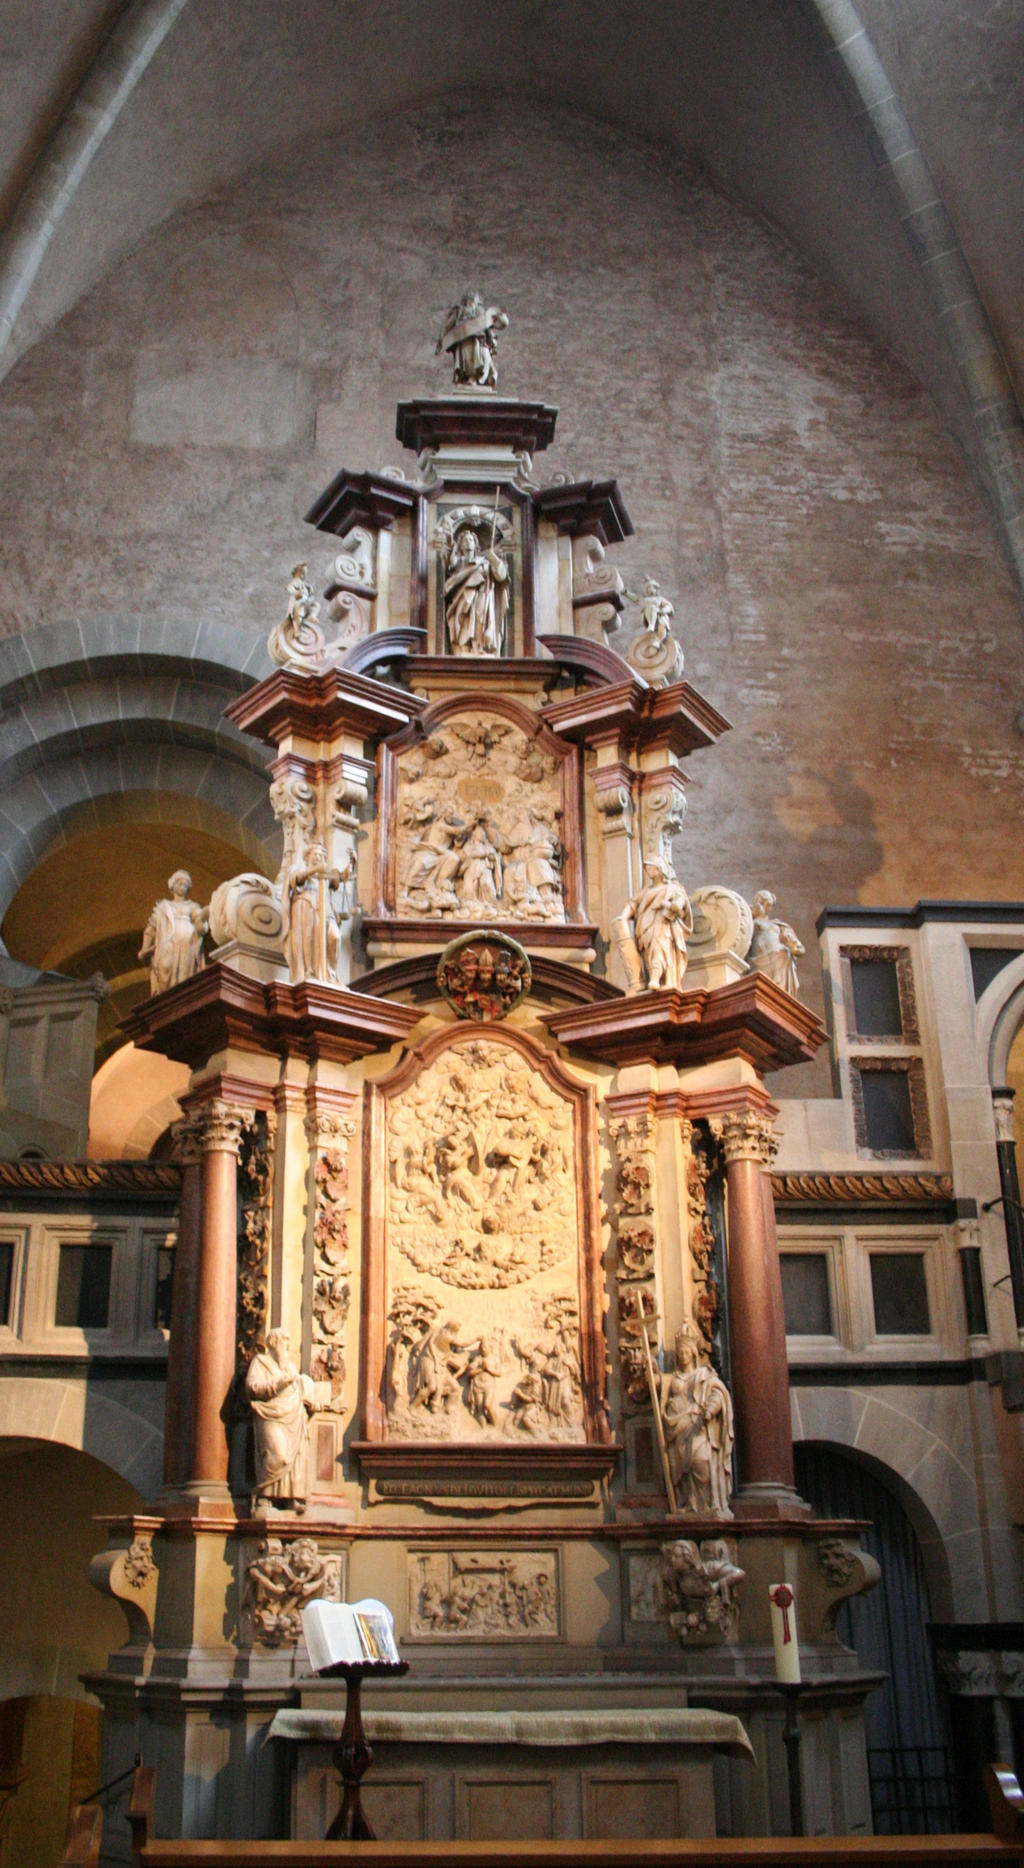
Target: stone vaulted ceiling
pixel 113 116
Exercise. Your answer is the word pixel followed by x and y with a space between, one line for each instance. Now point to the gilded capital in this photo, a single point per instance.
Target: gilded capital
pixel 746 1135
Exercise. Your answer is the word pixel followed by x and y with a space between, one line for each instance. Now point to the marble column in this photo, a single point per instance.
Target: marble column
pixel 757 1330
pixel 188 1150
pixel 1013 1211
pixel 220 1128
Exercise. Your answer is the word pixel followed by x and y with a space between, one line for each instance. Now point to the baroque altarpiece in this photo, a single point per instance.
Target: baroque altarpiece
pixel 477 1304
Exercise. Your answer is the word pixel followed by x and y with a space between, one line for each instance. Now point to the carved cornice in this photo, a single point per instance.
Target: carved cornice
pixel 586 506
pixel 751 1019
pixel 138 1178
pixel 861 1189
pixel 676 718
pixel 371 499
pixel 320 708
pixel 434 421
pixel 221 1008
pixel 745 1135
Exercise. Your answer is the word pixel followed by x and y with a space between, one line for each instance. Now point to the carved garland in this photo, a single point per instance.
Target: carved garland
pixel 329 1136
pixel 256 1191
pixel 633 1221
pixel 700 1235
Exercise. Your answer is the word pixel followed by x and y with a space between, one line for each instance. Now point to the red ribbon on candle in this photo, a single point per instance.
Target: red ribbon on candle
pixel 782 1596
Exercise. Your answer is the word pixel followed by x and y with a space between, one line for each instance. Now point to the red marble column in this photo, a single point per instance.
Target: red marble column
pixel 757 1331
pixel 181 1346
pixel 216 1297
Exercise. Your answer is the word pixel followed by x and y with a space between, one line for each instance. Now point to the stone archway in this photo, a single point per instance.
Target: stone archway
pixel 56 1627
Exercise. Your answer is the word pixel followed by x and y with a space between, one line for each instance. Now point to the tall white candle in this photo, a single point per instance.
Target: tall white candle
pixel 784 1636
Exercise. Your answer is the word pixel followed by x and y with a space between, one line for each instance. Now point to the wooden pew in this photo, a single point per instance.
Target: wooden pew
pixel 1001 1849
pixel 84 1834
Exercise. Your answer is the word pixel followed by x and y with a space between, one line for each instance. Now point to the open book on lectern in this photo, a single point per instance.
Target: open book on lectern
pixel 349 1634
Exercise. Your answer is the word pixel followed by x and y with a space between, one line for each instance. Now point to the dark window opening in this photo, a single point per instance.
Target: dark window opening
pixel 83 1287
pixel 805 1294
pixel 6 1279
pixel 888 1113
pixel 164 1288
pixel 877 1012
pixel 900 1292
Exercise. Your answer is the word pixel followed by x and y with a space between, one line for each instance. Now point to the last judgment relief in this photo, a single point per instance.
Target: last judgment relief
pixel 482 1229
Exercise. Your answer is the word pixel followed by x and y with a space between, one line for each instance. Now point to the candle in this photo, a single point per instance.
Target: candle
pixel 784 1638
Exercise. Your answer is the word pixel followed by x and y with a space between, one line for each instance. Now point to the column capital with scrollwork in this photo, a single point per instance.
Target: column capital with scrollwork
pixel 746 1135
pixel 218 1126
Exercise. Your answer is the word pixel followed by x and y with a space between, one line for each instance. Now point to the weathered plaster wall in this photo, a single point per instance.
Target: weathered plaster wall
pixel 836 577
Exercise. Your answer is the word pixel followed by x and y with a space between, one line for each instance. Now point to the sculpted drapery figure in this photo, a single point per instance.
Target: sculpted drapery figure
pixel 651 931
pixel 312 929
pixel 281 1400
pixel 173 937
pixel 697 1417
pixel 774 946
pixel 476 595
pixel 470 337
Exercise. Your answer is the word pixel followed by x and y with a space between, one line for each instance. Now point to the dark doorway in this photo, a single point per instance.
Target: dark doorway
pixel 913 1789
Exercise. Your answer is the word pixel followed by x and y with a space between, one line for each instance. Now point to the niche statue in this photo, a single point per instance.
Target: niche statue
pixel 696 1414
pixel 281 1400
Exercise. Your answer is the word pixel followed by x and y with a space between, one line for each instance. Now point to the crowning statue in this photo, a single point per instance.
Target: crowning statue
pixel 173 937
pixel 470 336
pixel 476 594
pixel 655 654
pixel 651 931
pixel 281 1400
pixel 774 946
pixel 696 1414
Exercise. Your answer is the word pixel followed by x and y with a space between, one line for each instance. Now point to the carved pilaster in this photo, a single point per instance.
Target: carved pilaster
pixel 662 813
pixel 633 1139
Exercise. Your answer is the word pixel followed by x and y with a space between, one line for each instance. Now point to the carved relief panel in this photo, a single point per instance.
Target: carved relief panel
pixel 489 1595
pixel 483 1255
pixel 480 818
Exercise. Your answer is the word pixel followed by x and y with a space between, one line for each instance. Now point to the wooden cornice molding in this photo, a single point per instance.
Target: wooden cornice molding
pixel 221 1008
pixel 676 718
pixel 751 1019
pixel 371 499
pixel 586 508
pixel 431 422
pixel 320 707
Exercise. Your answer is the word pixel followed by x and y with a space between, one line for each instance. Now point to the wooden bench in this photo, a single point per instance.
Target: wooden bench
pixel 1004 1846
